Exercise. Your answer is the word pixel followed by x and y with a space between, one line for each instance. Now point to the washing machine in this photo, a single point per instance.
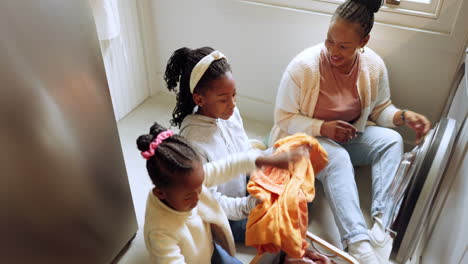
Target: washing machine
pixel 422 183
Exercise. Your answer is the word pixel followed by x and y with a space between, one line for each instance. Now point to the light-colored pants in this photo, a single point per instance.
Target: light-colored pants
pixel 382 148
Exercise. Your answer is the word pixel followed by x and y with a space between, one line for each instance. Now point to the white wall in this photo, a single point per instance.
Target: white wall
pixel 260 40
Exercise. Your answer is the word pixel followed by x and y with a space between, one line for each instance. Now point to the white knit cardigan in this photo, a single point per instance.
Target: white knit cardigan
pixel 299 89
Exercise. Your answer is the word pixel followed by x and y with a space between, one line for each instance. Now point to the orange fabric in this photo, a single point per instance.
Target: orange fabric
pixel 280 221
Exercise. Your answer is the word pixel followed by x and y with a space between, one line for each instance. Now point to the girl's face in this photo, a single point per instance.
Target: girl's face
pixel 218 100
pixel 343 42
pixel 183 196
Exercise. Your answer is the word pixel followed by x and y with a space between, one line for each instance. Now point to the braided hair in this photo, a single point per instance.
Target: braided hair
pixel 178 70
pixel 173 157
pixel 360 12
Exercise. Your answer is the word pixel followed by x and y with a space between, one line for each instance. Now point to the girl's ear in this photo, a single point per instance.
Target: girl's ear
pixel 159 193
pixel 198 99
pixel 364 41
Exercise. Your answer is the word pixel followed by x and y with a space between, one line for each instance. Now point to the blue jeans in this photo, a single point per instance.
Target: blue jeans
pixel 238 229
pixel 382 148
pixel 220 256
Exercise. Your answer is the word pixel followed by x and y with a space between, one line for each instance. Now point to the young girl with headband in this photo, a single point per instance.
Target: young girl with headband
pixel 182 217
pixel 207 115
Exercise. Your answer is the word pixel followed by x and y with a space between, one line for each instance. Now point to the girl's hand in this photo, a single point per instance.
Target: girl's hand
pixel 417 122
pixel 338 130
pixel 283 159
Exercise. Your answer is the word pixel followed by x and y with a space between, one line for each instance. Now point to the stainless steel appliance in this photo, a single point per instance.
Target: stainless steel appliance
pixel 421 171
pixel 423 182
pixel 64 194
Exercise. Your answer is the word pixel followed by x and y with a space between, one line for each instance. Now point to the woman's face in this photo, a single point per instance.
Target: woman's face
pixel 343 42
pixel 219 99
pixel 184 194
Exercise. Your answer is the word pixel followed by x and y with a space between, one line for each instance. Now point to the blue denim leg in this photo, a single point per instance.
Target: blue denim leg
pixel 238 229
pixel 382 148
pixel 220 256
pixel 341 191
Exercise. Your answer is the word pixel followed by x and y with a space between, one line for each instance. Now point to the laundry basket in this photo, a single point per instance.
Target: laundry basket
pixel 335 254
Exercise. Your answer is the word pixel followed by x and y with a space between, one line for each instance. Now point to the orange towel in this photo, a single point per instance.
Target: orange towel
pixel 280 221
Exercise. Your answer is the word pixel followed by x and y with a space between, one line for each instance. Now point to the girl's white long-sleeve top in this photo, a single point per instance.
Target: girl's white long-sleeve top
pixel 215 139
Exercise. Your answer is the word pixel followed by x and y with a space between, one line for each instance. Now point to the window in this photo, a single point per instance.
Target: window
pixel 423 7
pixel 436 16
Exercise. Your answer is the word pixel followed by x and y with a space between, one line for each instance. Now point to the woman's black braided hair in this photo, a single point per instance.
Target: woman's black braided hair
pixel 173 157
pixel 178 70
pixel 360 12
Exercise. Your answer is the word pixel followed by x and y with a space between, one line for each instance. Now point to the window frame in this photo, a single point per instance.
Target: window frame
pixel 405 7
pixel 436 17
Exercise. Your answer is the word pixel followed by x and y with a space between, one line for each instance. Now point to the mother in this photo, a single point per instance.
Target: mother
pixel 339 91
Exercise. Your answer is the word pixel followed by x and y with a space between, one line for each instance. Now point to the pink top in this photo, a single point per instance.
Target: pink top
pixel 338 97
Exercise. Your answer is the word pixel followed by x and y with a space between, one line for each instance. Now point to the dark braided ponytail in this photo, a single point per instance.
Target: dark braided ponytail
pixel 173 157
pixel 178 70
pixel 360 12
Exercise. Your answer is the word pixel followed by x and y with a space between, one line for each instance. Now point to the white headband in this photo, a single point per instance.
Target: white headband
pixel 201 67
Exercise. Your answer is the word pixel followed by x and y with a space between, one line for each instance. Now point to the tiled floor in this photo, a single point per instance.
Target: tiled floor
pixel 159 108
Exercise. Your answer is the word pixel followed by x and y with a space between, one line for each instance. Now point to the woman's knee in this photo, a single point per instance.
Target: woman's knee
pixel 387 136
pixel 336 153
pixel 394 140
pixel 338 160
pixel 394 137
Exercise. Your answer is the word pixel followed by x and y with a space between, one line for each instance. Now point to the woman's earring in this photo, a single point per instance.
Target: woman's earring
pixel 361 50
pixel 195 109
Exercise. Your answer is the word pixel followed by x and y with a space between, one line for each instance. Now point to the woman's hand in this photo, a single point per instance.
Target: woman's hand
pixel 283 159
pixel 338 130
pixel 417 122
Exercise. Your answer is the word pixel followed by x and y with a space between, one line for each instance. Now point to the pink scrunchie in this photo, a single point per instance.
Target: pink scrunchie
pixel 154 145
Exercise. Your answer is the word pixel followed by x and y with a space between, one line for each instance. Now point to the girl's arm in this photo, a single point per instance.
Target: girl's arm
pixel 221 171
pixel 163 249
pixel 235 208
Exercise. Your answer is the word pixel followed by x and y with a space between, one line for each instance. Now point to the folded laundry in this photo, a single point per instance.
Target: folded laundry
pixel 280 221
